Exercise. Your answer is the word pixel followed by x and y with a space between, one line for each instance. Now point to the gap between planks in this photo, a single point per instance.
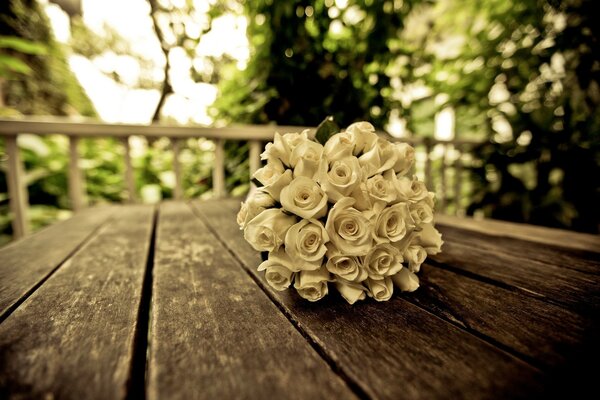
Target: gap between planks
pixel 313 342
pixel 136 385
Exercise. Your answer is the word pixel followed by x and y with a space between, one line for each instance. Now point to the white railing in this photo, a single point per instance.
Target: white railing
pixel 256 135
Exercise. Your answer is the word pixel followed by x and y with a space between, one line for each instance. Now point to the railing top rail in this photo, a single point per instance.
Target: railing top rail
pixel 49 126
pixel 85 127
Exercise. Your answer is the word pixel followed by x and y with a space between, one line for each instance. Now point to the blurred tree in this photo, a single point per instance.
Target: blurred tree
pixel 311 59
pixel 50 88
pixel 527 76
pixel 181 25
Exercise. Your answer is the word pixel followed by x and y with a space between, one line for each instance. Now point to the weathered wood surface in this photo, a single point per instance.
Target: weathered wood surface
pixel 26 263
pixel 74 337
pixel 575 289
pixel 545 334
pixel 580 260
pixel 392 350
pixel 528 233
pixel 105 305
pixel 214 333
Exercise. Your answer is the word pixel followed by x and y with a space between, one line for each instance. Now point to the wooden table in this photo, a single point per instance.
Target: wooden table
pixel 165 302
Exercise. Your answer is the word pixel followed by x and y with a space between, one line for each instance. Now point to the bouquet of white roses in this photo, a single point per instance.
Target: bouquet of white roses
pixel 339 208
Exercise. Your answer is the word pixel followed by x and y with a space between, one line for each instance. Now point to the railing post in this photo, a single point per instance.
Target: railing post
pixel 76 186
pixel 458 181
pixel 428 147
pixel 178 190
pixel 129 177
pixel 17 190
pixel 443 184
pixel 219 169
pixel 254 156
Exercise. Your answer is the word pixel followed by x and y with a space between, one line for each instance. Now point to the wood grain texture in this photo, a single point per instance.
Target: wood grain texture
pixel 550 335
pixel 394 349
pixel 214 333
pixel 25 263
pixel 575 289
pixel 580 260
pixel 74 337
pixel 530 233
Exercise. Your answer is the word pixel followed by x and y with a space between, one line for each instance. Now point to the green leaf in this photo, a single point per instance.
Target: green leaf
pixel 22 45
pixel 326 129
pixel 10 64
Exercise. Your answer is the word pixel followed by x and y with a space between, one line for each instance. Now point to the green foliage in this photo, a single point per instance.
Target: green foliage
pixel 308 62
pixel 527 77
pixel 50 88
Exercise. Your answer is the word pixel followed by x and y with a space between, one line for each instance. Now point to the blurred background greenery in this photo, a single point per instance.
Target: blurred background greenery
pixel 522 78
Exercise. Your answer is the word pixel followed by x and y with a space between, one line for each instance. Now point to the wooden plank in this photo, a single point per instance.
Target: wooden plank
pixel 394 349
pixel 178 190
pixel 531 233
pixel 26 263
pixel 550 335
pixel 74 337
pixel 575 289
pixel 214 333
pixel 17 190
pixel 580 260
pixel 219 170
pixel 76 185
pixel 129 173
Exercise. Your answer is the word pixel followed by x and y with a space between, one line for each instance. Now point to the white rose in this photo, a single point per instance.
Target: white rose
pixel 390 225
pixel 349 230
pixel 363 136
pixel 278 150
pixel 429 238
pixel 306 240
pixel 415 255
pixel 406 280
pixel 351 291
pixel 362 199
pixel 294 139
pixel 339 178
pixel 382 187
pixel 411 190
pixel 305 158
pixel 282 146
pixel 256 203
pixel 406 158
pixel 382 156
pixel 305 198
pixel 420 213
pixel 347 267
pixel 267 230
pixel 338 146
pixel 282 258
pixel 382 260
pixel 380 290
pixel 406 241
pixel 312 285
pixel 273 177
pixel 277 274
